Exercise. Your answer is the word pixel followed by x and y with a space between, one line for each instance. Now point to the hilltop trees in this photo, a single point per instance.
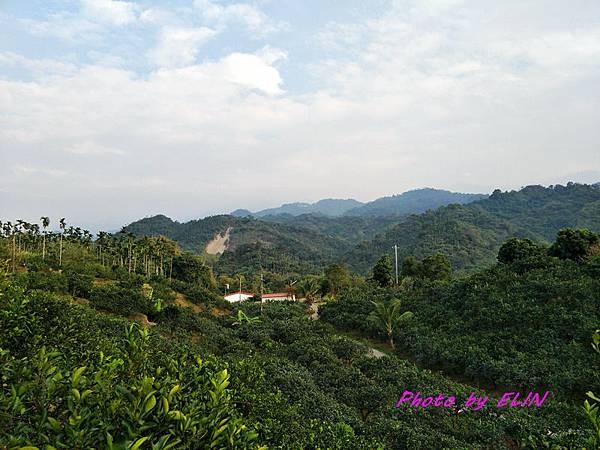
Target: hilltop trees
pixel 383 272
pixel 191 269
pixel 433 267
pixel 575 244
pixel 337 277
pixel 518 250
pixel 147 255
pixel 436 267
pixel 411 267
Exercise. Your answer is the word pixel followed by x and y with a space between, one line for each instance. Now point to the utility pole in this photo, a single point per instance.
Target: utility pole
pixel 396 254
pixel 261 292
pixel 261 285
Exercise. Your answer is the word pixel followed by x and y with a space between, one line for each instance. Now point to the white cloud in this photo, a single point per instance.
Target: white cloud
pixel 255 71
pixel 412 98
pixel 178 47
pixel 114 12
pixel 237 13
pixel 93 148
pixel 39 67
pixel 66 26
pixel 28 171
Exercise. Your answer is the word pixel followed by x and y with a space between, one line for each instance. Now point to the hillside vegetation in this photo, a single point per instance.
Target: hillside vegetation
pixel 470 235
pixel 524 322
pixel 78 373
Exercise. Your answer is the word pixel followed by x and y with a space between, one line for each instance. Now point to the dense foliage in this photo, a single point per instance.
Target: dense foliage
pixel 469 230
pixel 74 379
pixel 524 323
pixel 125 341
pixel 470 235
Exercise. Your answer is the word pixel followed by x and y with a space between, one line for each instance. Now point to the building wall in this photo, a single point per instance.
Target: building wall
pixel 237 297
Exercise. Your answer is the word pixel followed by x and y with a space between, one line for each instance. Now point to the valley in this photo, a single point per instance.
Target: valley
pixel 493 298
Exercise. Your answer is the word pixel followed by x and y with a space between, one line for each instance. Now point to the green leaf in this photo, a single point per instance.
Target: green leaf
pixel 150 403
pixel 139 443
pixel 76 376
pixel 591 395
pixel 109 441
pixel 172 392
pixel 55 424
pixel 85 394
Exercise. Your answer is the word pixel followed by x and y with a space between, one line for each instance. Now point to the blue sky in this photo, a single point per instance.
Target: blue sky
pixel 113 110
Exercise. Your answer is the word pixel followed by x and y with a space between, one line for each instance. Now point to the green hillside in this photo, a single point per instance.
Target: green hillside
pixel 470 235
pixel 281 247
pixel 125 343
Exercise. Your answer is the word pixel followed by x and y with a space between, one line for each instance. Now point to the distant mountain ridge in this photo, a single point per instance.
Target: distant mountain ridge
pixel 331 207
pixel 413 202
pixel 469 234
pixel 410 202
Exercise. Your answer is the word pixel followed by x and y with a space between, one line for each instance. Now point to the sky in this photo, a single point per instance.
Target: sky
pixel 115 110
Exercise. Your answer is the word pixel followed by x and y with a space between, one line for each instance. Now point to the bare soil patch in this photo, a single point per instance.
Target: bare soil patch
pixel 219 244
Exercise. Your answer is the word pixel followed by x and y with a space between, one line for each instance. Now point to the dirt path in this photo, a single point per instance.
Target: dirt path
pixel 219 244
pixel 494 392
pixel 315 311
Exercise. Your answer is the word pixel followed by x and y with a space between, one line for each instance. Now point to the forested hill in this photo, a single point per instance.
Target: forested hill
pixel 193 235
pixel 470 235
pixel 252 243
pixel 413 202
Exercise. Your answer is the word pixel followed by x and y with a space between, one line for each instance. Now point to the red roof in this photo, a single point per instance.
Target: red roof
pixel 240 292
pixel 279 294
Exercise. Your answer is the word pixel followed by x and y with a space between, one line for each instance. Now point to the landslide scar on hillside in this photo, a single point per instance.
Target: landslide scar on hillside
pixel 219 244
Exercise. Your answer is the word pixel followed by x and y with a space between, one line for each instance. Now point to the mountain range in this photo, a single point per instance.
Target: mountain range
pixel 410 202
pixel 469 234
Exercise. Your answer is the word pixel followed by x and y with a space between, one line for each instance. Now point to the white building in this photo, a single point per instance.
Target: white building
pixel 238 296
pixel 280 296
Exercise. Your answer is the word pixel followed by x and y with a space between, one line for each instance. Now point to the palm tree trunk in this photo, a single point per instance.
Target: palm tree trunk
pixel 14 258
pixel 60 252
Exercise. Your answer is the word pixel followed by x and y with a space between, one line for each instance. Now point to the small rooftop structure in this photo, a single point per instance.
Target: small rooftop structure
pixel 238 296
pixel 280 296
